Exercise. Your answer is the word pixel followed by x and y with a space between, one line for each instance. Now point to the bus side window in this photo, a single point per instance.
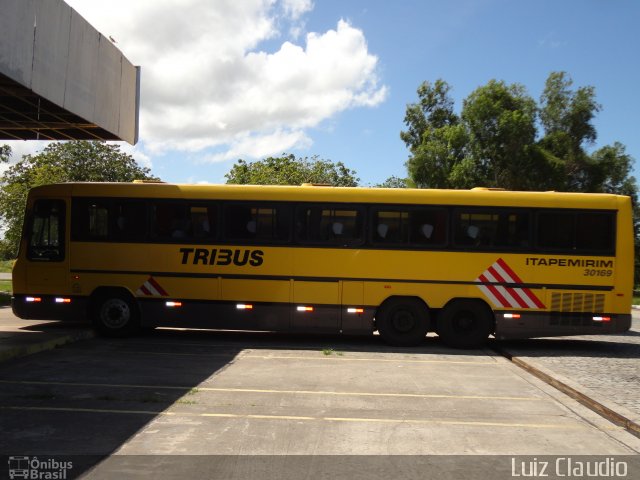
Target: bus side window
pixel 595 232
pixel 129 221
pixel 315 224
pixel 46 231
pixel 556 231
pixel 391 227
pixel 90 219
pixel 429 227
pixel 489 228
pixel 260 223
pixel 237 220
pixel 203 221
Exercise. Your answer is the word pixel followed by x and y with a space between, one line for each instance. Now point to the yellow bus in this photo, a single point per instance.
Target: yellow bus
pixel 403 262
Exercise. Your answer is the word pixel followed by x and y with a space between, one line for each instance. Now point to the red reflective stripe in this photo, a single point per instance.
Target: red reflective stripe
pixel 157 286
pixel 515 277
pixel 494 291
pixel 145 290
pixel 511 291
pixel 507 269
pixel 533 298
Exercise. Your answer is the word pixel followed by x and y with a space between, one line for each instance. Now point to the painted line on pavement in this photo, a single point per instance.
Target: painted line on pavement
pixel 544 426
pixel 324 358
pixel 273 391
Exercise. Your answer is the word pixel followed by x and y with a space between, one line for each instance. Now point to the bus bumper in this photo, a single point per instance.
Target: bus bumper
pixel 553 324
pixel 49 307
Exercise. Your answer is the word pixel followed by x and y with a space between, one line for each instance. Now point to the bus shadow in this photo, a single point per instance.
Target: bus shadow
pixel 83 401
pixel 325 343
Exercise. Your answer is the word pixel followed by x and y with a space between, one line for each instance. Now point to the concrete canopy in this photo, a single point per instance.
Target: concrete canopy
pixel 60 79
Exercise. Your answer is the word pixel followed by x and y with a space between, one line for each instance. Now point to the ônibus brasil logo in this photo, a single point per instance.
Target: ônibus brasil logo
pixel 38 469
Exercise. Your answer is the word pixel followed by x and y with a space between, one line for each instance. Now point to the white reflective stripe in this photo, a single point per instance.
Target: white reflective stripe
pixel 500 271
pixel 153 291
pixel 490 296
pixel 513 303
pixel 512 292
pixel 525 298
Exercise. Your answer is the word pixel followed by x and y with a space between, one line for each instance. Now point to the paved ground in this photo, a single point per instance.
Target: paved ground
pixel 192 392
pixel 24 337
pixel 606 368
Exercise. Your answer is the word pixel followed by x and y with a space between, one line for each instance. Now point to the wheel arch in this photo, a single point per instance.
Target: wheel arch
pixel 105 290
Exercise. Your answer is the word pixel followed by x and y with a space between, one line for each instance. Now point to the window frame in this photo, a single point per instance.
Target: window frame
pixel 576 213
pixel 361 214
pixel 374 209
pixel 187 205
pixel 62 232
pixel 489 210
pixel 287 207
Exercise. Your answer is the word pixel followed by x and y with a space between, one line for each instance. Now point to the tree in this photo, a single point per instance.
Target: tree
pixel 495 141
pixel 289 170
pixel 491 143
pixel 566 117
pixel 5 153
pixel 395 182
pixel 435 138
pixel 80 161
pixel 501 123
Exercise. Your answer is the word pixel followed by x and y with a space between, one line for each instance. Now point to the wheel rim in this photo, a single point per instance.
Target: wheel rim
pixel 464 322
pixel 403 320
pixel 115 313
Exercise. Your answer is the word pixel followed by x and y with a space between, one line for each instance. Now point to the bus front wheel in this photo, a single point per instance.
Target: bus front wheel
pixel 465 323
pixel 115 315
pixel 403 322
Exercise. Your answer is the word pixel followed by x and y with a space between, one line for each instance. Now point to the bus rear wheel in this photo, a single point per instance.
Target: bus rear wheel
pixel 465 324
pixel 403 322
pixel 115 315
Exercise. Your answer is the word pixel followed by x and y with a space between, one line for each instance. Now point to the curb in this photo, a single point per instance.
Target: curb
pixel 614 413
pixel 24 350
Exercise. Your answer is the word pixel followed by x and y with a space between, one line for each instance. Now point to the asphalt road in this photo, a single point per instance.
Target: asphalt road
pixel 250 405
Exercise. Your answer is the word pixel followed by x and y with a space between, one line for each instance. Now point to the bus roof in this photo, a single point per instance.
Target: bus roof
pixel 311 193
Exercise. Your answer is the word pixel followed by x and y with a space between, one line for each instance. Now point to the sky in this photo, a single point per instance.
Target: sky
pixel 230 79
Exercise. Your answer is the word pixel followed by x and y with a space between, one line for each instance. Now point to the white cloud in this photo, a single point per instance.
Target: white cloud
pixel 207 85
pixel 262 145
pixel 296 8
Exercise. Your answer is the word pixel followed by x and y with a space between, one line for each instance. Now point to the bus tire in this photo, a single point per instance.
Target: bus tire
pixel 403 322
pixel 115 314
pixel 465 323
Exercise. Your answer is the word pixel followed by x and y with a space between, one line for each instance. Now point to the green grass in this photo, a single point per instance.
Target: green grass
pixel 636 300
pixel 331 351
pixel 6 265
pixel 5 292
